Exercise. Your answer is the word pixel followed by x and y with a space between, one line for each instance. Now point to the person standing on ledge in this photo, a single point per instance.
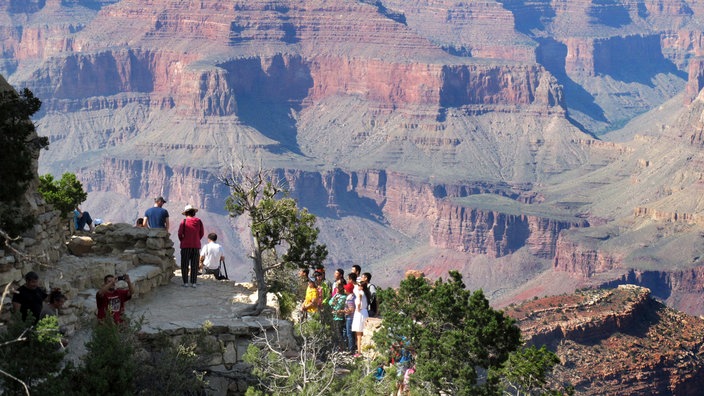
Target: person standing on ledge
pixel 156 216
pixel 190 232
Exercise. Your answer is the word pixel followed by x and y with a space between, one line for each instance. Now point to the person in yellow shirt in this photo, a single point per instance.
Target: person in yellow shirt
pixel 310 304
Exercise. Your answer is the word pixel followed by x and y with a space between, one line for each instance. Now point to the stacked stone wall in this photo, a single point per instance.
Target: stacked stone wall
pixel 221 349
pixel 147 255
pixel 39 248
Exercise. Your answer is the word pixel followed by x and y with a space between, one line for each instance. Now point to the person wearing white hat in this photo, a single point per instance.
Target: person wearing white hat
pixel 190 232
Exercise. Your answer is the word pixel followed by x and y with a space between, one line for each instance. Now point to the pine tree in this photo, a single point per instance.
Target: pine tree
pixel 20 147
pixel 109 366
pixel 455 336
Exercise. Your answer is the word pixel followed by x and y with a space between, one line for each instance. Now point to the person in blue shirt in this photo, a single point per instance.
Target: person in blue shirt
pixel 156 216
pixel 81 219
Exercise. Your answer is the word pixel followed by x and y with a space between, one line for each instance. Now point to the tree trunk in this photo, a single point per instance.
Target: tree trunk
pixel 259 277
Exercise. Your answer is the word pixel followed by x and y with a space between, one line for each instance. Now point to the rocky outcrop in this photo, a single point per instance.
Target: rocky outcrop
pixel 616 341
pixel 589 316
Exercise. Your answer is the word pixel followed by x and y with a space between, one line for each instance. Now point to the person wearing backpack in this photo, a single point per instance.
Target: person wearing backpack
pixel 373 307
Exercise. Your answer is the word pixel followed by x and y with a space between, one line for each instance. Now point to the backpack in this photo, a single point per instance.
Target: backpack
pixel 373 306
pixel 220 275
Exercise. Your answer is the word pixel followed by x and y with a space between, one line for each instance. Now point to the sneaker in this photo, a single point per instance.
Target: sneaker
pixel 357 355
pixel 185 285
pixel 193 285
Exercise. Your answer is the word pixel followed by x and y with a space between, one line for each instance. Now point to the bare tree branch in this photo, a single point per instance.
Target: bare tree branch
pixel 5 292
pixel 24 385
pixel 18 253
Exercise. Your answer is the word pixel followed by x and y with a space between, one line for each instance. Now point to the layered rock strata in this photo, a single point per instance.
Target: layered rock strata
pixel 583 259
pixel 678 288
pixel 496 234
pixel 339 193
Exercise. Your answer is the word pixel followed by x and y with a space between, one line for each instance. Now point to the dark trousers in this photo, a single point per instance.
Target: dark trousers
pixel 339 335
pixel 82 221
pixel 189 258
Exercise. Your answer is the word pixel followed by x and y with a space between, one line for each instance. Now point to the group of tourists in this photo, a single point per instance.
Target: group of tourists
pixel 31 299
pixel 351 300
pixel 116 290
pixel 346 302
pixel 195 260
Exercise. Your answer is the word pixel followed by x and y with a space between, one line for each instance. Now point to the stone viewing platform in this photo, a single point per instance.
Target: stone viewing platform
pixel 159 300
pixel 173 307
pixel 174 311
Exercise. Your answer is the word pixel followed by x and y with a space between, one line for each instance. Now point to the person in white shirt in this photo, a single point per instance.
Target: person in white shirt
pixel 212 256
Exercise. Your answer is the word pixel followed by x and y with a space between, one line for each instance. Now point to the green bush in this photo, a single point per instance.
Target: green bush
pixel 118 363
pixel 63 194
pixel 29 353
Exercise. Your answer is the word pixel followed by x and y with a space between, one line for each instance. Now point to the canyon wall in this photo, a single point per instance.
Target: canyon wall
pixel 583 259
pixel 496 234
pixel 164 80
pixel 392 196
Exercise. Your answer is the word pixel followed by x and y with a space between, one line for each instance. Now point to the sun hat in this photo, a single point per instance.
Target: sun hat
pixel 187 208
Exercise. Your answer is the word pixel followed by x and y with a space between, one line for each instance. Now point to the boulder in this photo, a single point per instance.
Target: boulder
pixel 80 245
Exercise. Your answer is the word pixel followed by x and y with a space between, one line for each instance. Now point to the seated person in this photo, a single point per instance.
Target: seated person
pixel 212 256
pixel 81 219
pixel 55 303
